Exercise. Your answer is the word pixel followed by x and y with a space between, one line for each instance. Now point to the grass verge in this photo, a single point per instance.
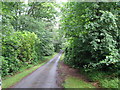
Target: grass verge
pixel 62 57
pixel 11 80
pixel 105 79
pixel 74 82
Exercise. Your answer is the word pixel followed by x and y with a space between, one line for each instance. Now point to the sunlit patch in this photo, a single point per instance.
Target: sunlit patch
pixel 26 1
pixel 58 1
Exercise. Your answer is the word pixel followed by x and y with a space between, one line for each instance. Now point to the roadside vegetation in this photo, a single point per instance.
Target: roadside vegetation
pixel 74 82
pixel 69 80
pixel 104 79
pixel 95 79
pixel 93 34
pixel 62 57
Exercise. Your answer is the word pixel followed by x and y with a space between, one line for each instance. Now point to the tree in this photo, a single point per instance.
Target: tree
pixel 92 32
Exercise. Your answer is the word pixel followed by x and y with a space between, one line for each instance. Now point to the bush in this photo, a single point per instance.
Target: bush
pixel 18 49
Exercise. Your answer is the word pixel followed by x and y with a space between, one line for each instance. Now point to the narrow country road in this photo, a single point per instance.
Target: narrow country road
pixel 43 77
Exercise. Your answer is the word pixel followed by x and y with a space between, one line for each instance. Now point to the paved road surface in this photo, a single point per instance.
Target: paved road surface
pixel 43 77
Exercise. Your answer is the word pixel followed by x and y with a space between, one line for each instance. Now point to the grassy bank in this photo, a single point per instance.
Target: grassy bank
pixel 105 79
pixel 74 82
pixel 11 80
pixel 62 57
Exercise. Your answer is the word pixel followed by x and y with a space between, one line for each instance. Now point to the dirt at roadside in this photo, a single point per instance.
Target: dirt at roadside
pixel 64 71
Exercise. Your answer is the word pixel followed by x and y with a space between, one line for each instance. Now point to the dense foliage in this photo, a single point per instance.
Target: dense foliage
pixel 93 34
pixel 26 34
pixel 90 33
pixel 18 50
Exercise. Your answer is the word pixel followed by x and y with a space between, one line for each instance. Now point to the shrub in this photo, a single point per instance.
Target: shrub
pixel 18 49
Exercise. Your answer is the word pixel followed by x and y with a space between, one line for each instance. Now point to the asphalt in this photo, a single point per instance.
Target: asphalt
pixel 43 77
